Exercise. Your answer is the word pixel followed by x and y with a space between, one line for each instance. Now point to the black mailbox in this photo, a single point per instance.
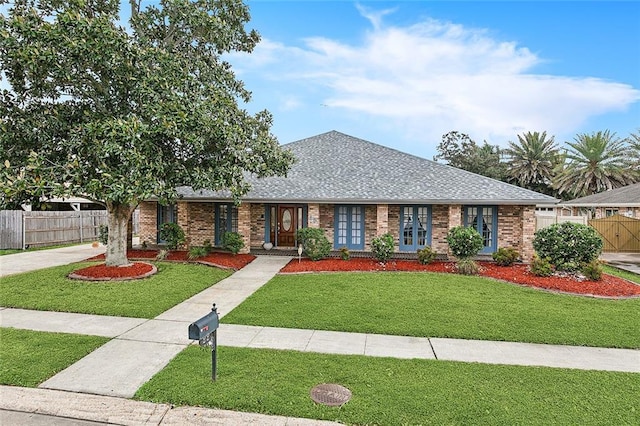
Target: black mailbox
pixel 204 326
pixel 205 331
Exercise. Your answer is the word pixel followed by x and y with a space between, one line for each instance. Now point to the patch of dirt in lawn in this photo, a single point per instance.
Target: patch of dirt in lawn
pixel 609 286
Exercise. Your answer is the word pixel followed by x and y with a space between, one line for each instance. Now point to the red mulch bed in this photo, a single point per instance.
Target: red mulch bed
pixel 219 259
pixel 609 286
pixel 102 272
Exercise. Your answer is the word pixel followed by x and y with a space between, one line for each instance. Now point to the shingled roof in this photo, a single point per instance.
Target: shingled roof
pixel 626 196
pixel 336 168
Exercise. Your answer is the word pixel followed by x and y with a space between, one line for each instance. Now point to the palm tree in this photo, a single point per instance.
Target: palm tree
pixel 596 162
pixel 634 151
pixel 531 162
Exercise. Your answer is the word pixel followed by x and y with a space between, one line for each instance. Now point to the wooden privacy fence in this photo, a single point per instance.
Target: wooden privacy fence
pixel 619 233
pixel 21 229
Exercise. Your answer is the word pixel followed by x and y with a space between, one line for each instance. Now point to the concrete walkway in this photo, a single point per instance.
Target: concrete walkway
pixel 627 261
pixel 98 387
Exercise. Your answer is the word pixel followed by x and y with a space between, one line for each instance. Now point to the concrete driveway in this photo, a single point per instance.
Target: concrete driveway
pixel 627 261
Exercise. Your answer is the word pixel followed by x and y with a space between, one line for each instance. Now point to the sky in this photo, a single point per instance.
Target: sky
pixel 403 74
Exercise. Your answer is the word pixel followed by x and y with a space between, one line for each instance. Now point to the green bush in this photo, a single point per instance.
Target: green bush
pixel 315 244
pixel 506 256
pixel 382 247
pixel 103 234
pixel 541 267
pixel 196 252
pixel 173 234
pixel 464 242
pixel 344 253
pixel 207 246
pixel 467 266
pixel 593 270
pixel 426 255
pixel 568 245
pixel 232 241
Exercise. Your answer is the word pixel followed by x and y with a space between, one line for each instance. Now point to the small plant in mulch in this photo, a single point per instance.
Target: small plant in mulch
pixel 506 256
pixel 426 255
pixel 344 253
pixel 382 247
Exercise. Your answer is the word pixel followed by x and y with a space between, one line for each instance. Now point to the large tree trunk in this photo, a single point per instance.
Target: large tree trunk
pixel 119 215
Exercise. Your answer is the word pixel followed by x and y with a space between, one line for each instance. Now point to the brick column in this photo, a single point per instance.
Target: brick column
pixel 183 221
pixel 148 222
pixel 455 219
pixel 528 229
pixel 244 225
pixel 313 215
pixel 382 219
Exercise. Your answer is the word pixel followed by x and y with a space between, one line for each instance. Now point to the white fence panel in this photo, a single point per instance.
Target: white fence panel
pixel 542 221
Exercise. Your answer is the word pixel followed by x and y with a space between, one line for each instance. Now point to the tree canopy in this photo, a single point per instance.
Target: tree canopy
pixel 459 150
pixel 117 114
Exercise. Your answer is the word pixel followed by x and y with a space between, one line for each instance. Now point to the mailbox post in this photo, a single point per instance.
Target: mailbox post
pixel 205 330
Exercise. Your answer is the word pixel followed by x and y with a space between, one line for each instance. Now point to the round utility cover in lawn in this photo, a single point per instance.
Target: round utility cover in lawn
pixel 330 394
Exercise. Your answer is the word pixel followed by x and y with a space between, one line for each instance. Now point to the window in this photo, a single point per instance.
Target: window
pixel 485 220
pixel 349 227
pixel 610 212
pixel 226 220
pixel 166 214
pixel 415 227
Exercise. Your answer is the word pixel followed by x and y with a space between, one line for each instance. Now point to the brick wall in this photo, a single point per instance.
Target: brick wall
pixel 257 225
pixel 200 223
pixel 439 228
pixel 326 220
pixel 148 222
pixel 370 225
pixel 244 225
pixel 528 229
pixel 313 215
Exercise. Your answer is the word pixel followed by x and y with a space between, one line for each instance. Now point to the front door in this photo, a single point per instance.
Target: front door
pixel 287 226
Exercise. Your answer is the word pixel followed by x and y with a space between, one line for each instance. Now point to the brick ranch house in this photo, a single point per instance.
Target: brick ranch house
pixel 356 190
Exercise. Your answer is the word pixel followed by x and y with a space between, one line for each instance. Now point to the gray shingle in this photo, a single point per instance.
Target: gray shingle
pixel 626 195
pixel 333 167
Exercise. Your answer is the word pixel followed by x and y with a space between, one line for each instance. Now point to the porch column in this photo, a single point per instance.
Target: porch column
pixel 528 229
pixel 382 219
pixel 244 225
pixel 313 215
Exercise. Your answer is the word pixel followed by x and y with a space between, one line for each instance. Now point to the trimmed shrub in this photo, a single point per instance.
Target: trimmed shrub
pixel 506 256
pixel 467 266
pixel 541 267
pixel 426 255
pixel 232 241
pixel 173 234
pixel 464 242
pixel 207 246
pixel 382 247
pixel 568 245
pixel 315 244
pixel 593 270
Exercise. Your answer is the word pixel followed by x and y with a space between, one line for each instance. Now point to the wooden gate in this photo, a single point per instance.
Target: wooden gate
pixel 619 233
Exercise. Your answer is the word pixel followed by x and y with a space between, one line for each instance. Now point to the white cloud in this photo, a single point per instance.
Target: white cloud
pixel 433 77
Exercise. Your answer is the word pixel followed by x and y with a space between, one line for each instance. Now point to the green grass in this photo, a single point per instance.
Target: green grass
pixel 50 290
pixel 394 392
pixel 439 305
pixel 28 358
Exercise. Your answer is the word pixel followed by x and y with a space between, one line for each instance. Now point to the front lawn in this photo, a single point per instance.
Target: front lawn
pixel 439 305
pixel 50 290
pixel 395 392
pixel 31 357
